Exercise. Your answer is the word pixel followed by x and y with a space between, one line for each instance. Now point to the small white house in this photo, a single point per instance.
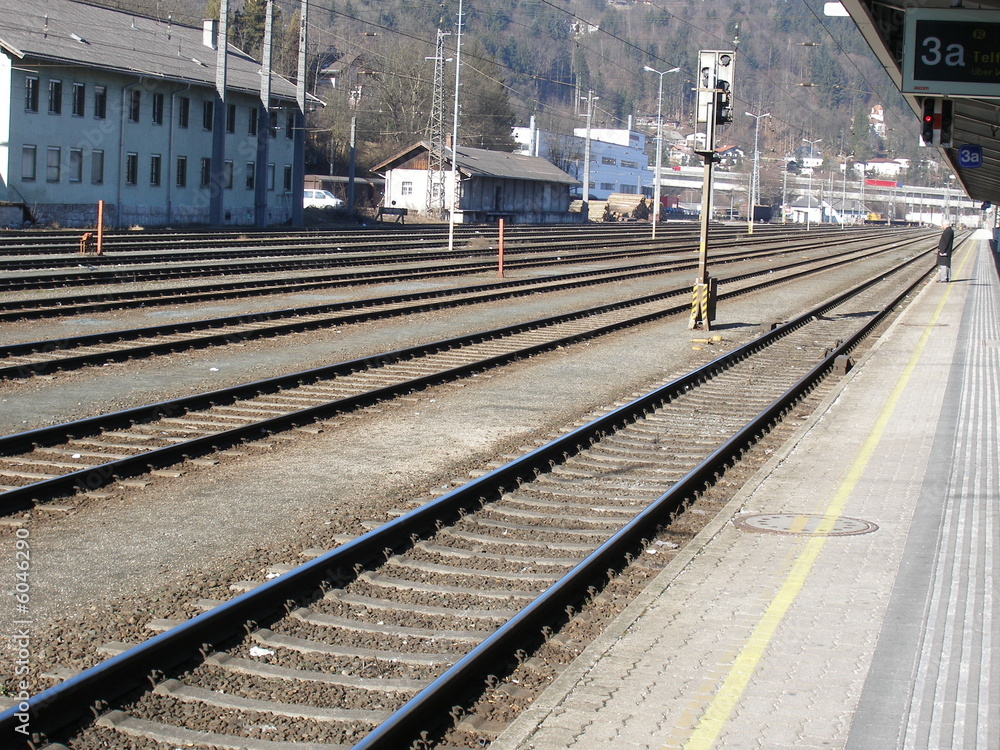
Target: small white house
pixel 492 185
pixel 882 167
pixel 806 210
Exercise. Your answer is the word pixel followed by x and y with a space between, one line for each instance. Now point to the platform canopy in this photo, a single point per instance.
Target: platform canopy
pixel 953 53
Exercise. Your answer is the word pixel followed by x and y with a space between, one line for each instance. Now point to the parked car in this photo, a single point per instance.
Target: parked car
pixel 320 199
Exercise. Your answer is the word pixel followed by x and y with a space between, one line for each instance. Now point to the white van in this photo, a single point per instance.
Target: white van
pixel 320 199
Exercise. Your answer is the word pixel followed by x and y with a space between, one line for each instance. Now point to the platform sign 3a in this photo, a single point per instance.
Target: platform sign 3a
pixel 951 51
pixel 970 156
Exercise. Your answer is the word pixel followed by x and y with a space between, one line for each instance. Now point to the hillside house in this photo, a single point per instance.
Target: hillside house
pixel 891 168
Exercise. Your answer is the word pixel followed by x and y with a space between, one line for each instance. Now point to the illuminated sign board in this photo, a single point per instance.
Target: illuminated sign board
pixel 951 51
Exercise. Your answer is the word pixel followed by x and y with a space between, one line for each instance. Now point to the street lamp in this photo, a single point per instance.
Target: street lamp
pixel 659 142
pixel 755 177
pixel 810 202
pixel 843 197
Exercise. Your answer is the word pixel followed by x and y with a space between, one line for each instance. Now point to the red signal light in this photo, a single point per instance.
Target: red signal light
pixel 929 112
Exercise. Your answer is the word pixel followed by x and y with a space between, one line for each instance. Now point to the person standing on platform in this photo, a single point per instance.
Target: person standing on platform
pixel 944 248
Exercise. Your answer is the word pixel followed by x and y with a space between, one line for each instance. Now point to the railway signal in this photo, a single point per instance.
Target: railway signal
pixel 716 70
pixel 927 123
pixel 947 122
pixel 937 120
pixel 715 95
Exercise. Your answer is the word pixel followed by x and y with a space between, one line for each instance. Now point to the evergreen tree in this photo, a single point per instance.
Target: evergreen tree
pixel 247 29
pixel 486 114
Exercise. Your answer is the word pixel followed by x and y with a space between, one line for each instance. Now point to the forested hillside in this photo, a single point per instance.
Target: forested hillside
pixel 813 74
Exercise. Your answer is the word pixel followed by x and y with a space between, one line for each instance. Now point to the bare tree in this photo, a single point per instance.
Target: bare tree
pixel 388 91
pixel 565 152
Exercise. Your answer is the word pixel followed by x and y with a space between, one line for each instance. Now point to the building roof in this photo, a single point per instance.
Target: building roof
pixel 478 162
pixel 74 33
pixel 342 63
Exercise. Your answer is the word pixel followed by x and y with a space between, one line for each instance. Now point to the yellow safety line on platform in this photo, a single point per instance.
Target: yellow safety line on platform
pixel 718 712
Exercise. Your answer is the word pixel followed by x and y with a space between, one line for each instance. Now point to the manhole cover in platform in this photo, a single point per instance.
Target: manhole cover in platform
pixel 803 525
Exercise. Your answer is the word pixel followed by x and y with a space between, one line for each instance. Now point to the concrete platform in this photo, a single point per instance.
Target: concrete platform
pixel 862 611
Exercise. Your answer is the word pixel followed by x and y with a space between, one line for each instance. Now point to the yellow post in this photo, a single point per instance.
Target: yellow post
pixel 702 294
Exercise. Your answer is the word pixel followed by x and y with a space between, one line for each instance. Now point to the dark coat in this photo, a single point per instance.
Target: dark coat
pixel 944 247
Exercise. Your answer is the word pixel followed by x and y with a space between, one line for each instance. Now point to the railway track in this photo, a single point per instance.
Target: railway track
pixel 39 357
pixel 66 242
pixel 372 644
pixel 96 302
pixel 142 251
pixel 528 252
pixel 89 453
pixel 139 267
pixel 30 246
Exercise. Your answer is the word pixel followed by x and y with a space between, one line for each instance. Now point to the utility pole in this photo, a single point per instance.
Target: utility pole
pixel 454 137
pixel 809 201
pixel 435 166
pixel 351 164
pixel 217 165
pixel 784 189
pixel 299 133
pixel 863 209
pixel 585 208
pixel 260 185
pixel 659 143
pixel 843 199
pixel 755 177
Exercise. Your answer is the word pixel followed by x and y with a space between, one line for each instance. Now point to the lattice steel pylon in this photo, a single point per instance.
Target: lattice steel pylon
pixel 435 163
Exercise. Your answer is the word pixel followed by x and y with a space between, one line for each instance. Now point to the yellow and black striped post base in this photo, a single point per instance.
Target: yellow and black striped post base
pixel 703 305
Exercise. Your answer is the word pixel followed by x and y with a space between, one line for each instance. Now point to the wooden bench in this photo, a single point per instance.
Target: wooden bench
pixel 399 213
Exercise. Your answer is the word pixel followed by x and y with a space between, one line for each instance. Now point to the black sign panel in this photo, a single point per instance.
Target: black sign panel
pixel 952 51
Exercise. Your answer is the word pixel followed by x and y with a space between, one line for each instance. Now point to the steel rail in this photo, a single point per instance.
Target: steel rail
pixel 65 704
pixel 635 245
pixel 93 477
pixel 489 292
pixel 145 275
pixel 331 244
pixel 67 242
pixel 347 254
pixel 40 308
pixel 376 274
